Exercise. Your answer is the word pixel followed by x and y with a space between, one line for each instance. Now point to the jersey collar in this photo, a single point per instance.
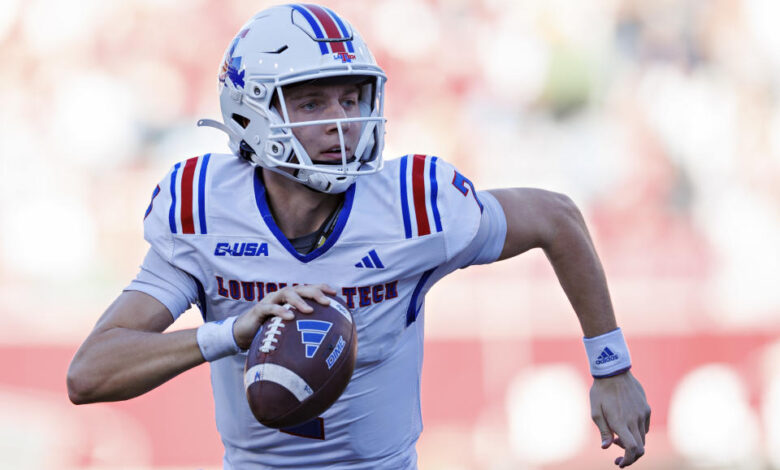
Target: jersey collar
pixel 265 212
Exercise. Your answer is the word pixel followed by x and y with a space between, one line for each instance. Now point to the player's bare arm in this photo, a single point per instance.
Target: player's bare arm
pixel 550 221
pixel 127 354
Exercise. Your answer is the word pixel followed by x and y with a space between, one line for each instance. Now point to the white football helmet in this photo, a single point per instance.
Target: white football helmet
pixel 290 44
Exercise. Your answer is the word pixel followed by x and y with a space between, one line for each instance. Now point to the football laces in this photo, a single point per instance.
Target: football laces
pixel 270 336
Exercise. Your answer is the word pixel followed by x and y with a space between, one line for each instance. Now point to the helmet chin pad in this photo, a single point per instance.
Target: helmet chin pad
pixel 320 182
pixel 328 183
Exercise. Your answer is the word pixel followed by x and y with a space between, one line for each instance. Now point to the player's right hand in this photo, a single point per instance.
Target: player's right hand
pixel 619 406
pixel 276 304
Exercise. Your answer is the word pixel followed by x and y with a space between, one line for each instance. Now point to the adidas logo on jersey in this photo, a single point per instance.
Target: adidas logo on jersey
pixel 606 356
pixel 370 261
pixel 312 334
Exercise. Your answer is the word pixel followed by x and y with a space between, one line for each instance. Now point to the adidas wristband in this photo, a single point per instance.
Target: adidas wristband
pixel 608 354
pixel 216 340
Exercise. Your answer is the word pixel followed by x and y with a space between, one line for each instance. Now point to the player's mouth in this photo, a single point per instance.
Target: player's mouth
pixel 332 156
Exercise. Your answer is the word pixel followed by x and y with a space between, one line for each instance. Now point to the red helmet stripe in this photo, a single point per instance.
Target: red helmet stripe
pixel 331 29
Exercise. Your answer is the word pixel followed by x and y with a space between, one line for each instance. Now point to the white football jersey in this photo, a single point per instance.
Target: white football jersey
pixel 215 243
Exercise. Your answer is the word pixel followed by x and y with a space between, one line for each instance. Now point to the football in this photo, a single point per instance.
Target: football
pixel 296 369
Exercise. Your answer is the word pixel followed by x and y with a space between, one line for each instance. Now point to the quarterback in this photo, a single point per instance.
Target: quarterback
pixel 304 206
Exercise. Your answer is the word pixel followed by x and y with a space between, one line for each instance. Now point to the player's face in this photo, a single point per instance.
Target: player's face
pixel 311 102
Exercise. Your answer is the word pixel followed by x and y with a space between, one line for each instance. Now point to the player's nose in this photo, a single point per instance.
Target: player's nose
pixel 337 111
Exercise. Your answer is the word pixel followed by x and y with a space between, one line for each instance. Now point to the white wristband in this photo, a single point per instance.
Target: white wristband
pixel 216 340
pixel 608 354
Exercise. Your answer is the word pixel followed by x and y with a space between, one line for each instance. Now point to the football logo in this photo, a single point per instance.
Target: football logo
pixel 312 334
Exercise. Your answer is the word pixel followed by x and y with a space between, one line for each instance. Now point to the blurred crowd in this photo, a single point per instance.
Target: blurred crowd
pixel 661 119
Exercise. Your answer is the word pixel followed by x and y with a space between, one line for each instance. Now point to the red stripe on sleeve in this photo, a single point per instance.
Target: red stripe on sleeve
pixel 331 29
pixel 418 192
pixel 187 180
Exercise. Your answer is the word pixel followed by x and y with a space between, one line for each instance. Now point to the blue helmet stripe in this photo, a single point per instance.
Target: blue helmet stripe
pixel 314 26
pixel 343 28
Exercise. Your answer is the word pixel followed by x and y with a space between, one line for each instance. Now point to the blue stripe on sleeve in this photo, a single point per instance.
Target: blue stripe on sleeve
pixel 151 203
pixel 314 26
pixel 202 193
pixel 413 310
pixel 404 202
pixel 172 212
pixel 434 192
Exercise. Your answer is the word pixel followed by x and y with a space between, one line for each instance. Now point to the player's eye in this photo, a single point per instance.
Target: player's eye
pixel 308 106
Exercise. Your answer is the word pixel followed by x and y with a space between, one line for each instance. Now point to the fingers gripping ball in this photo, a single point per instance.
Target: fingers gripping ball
pixel 296 369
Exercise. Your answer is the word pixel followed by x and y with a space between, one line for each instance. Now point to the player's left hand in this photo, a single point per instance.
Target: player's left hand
pixel 619 406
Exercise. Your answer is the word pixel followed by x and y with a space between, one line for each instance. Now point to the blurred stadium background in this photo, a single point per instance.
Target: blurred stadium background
pixel 661 119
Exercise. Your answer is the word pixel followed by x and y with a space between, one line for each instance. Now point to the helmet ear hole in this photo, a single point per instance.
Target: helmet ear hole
pixel 242 121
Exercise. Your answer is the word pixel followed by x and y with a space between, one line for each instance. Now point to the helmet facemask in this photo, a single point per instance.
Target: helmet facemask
pixel 282 149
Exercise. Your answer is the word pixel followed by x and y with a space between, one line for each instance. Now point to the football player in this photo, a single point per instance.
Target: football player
pixel 306 206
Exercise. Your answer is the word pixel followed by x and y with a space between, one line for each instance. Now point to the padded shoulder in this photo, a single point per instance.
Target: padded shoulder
pixel 436 198
pixel 178 205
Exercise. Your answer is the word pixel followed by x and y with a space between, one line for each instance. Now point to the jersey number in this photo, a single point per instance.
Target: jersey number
pixel 460 182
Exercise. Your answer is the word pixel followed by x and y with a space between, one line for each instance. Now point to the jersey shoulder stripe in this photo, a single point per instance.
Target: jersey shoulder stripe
pixel 419 192
pixel 151 203
pixel 172 211
pixel 187 213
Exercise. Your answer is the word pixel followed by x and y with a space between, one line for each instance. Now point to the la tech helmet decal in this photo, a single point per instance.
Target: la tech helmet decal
pixel 231 66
